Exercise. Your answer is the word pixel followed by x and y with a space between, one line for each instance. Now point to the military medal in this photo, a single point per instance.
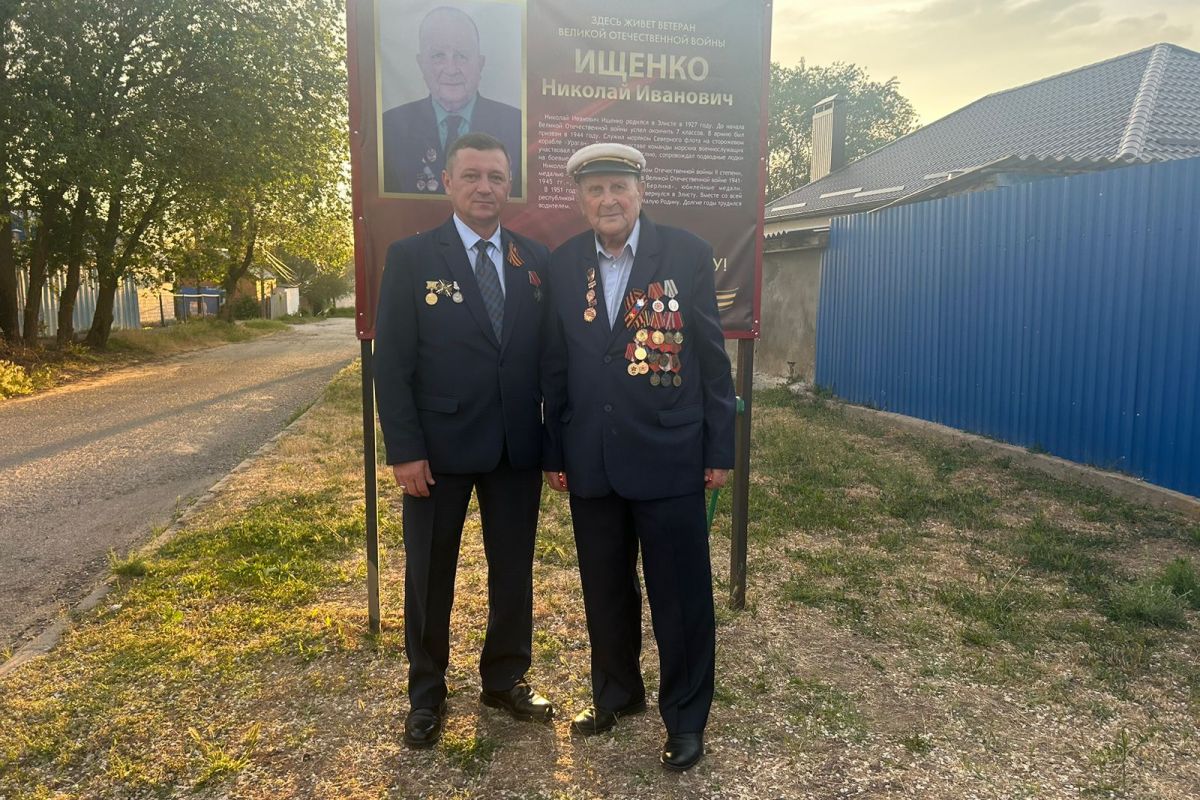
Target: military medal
pixel 632 369
pixel 431 155
pixel 658 337
pixel 635 301
pixel 640 354
pixel 514 257
pixel 433 185
pixel 534 280
pixel 671 290
pixel 589 313
pixel 420 186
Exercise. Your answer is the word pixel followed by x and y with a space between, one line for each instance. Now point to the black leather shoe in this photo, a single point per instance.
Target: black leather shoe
pixel 681 751
pixel 423 726
pixel 520 702
pixel 594 720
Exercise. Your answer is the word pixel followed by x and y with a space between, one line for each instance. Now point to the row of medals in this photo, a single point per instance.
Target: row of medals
pixel 650 353
pixel 654 349
pixel 438 289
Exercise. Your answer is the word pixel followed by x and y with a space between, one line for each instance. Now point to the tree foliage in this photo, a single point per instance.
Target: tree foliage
pixel 175 136
pixel 876 113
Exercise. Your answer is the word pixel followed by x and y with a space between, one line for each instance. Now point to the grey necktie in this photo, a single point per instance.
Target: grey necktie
pixel 489 286
pixel 453 122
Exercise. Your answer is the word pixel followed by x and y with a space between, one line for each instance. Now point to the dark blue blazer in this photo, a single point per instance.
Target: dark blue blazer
pixel 610 431
pixel 410 136
pixel 448 391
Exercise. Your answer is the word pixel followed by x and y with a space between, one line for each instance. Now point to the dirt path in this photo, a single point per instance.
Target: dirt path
pixel 95 466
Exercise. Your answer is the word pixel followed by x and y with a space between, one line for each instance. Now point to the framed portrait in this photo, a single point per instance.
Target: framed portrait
pixel 445 69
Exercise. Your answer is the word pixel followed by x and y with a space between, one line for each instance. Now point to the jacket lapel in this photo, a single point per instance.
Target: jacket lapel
pixel 645 265
pixel 460 268
pixel 515 278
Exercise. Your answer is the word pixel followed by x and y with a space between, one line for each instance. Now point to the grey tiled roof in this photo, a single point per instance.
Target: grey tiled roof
pixel 1143 105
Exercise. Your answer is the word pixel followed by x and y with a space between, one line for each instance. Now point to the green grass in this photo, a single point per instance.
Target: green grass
pixel 1149 603
pixel 1180 577
pixel 190 335
pixel 470 753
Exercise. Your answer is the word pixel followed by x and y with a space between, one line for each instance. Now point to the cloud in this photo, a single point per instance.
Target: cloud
pixel 947 53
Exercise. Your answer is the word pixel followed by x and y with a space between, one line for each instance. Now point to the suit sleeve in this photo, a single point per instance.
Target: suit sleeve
pixel 720 403
pixel 554 380
pixel 396 360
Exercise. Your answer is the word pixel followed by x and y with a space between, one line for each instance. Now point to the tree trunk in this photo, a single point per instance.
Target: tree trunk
pixel 106 274
pixel 39 260
pixel 9 321
pixel 66 300
pixel 237 269
pixel 115 266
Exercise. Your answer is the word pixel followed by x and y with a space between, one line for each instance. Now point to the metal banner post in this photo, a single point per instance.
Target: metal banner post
pixel 738 536
pixel 370 485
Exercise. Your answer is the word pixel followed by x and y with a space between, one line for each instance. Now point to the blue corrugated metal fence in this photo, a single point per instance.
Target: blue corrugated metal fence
pixel 1062 315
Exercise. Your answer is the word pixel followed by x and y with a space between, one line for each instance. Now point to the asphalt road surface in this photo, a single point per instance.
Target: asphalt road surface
pixel 96 466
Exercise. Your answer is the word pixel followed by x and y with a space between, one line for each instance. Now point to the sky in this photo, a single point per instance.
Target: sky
pixel 947 53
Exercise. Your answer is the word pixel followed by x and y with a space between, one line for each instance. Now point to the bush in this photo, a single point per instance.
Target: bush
pixel 14 380
pixel 246 307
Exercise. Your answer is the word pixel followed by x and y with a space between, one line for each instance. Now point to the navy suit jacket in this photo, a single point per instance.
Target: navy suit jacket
pixel 448 391
pixel 410 137
pixel 610 431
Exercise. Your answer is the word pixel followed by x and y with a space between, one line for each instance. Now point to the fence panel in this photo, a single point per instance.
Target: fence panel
pixel 1061 315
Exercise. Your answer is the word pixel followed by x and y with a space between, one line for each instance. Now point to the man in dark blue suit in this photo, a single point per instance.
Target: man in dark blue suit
pixel 457 342
pixel 639 418
pixel 417 135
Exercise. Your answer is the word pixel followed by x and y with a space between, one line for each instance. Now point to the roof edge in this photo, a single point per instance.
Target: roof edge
pixel 1134 139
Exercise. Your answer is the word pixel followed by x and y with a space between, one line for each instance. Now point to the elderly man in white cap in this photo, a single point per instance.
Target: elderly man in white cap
pixel 639 418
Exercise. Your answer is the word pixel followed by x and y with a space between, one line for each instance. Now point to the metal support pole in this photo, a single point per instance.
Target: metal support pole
pixel 741 477
pixel 370 487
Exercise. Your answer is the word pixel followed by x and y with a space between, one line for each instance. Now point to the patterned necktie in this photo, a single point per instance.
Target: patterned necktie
pixel 453 122
pixel 489 286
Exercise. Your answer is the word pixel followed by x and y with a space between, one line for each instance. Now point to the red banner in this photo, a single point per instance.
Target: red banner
pixel 685 83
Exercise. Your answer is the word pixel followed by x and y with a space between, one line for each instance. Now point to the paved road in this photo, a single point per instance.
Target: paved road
pixel 95 466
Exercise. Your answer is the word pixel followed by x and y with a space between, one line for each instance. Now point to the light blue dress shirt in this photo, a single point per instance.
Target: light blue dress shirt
pixel 465 112
pixel 614 273
pixel 470 237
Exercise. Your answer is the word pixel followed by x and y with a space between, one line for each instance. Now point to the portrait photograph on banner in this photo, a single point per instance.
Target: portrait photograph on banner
pixel 444 70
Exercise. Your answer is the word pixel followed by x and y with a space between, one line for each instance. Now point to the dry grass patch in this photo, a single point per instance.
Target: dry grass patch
pixel 923 622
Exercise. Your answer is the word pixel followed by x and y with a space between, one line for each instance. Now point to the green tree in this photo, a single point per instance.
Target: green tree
pixel 278 184
pixel 876 113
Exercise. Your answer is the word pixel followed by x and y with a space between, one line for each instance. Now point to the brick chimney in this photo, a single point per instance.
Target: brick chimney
pixel 828 137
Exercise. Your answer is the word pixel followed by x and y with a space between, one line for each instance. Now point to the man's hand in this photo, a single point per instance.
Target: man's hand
pixel 414 477
pixel 715 478
pixel 556 481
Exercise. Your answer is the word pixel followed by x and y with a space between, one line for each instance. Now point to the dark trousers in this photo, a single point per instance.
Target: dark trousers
pixel 508 507
pixel 673 537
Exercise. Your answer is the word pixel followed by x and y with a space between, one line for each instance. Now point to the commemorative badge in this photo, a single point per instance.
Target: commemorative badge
pixel 536 282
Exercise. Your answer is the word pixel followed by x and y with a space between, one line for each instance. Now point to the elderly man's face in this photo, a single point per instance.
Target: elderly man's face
pixel 478 182
pixel 450 61
pixel 611 204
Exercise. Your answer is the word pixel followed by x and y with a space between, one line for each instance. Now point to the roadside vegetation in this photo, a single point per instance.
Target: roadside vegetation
pixel 924 620
pixel 28 370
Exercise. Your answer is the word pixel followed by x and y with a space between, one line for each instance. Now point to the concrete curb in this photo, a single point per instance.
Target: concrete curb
pixel 1123 486
pixel 50 636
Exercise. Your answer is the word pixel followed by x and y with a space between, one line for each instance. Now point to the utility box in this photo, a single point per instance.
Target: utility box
pixel 285 301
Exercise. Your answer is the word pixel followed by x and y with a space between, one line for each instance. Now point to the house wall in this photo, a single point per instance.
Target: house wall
pixel 790 290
